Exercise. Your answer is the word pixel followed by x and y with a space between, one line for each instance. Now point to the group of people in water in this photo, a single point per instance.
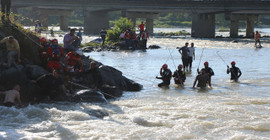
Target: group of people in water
pixel 204 75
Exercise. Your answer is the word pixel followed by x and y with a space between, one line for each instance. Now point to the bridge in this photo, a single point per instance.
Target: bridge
pixel 203 12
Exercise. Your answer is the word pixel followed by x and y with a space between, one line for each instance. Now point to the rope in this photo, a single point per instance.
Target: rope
pixel 221 58
pixel 201 58
pixel 89 88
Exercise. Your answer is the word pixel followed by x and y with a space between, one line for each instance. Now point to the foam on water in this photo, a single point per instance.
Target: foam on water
pixel 232 111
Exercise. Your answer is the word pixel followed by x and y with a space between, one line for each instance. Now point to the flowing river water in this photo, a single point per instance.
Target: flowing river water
pixel 234 111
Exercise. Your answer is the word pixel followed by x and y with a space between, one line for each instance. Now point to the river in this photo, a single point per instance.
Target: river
pixel 229 111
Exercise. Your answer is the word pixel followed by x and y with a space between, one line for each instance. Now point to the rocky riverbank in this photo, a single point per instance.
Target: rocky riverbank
pixel 114 83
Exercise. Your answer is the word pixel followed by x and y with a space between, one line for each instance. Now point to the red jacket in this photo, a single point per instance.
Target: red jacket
pixel 145 35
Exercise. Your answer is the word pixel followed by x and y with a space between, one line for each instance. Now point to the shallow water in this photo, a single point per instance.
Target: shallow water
pixel 234 111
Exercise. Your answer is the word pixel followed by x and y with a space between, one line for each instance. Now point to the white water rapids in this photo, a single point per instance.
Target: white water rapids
pixel 229 111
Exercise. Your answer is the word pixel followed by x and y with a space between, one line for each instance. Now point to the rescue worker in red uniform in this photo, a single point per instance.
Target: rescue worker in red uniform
pixel 55 52
pixel 73 59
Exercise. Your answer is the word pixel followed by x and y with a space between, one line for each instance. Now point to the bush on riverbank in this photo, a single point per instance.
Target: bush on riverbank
pixel 183 32
pixel 119 26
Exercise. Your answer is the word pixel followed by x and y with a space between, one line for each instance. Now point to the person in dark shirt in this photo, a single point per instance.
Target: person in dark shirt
pixel 203 78
pixel 184 51
pixel 103 34
pixel 235 72
pixel 166 76
pixel 179 76
pixel 97 78
pixel 208 70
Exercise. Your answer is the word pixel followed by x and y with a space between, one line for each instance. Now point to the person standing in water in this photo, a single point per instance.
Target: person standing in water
pixel 179 76
pixel 208 70
pixel 257 37
pixel 191 56
pixel 103 34
pixel 203 79
pixel 184 52
pixel 235 72
pixel 11 96
pixel 166 76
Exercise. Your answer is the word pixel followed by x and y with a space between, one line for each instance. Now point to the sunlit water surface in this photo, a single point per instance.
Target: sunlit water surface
pixel 233 111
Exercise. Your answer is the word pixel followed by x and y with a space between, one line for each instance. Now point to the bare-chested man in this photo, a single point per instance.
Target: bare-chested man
pixel 11 96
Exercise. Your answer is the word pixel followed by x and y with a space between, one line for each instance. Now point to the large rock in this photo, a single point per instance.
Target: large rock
pixel 88 95
pixel 15 75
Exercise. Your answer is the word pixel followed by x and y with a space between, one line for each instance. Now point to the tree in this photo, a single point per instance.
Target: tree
pixel 119 27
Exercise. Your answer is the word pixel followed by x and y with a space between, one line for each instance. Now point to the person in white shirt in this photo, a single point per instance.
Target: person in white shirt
pixel 191 56
pixel 11 96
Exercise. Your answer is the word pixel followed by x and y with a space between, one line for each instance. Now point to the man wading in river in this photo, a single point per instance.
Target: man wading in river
pixel 235 72
pixel 208 70
pixel 166 76
pixel 203 78
pixel 184 52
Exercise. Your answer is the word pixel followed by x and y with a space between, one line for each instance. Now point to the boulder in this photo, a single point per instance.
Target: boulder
pixel 88 95
pixel 154 47
pixel 15 75
pixel 34 71
pixel 88 49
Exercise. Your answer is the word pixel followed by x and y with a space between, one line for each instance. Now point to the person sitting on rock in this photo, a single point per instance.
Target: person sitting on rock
pixel 71 42
pixel 179 76
pixel 51 86
pixel 72 60
pixel 166 76
pixel 13 50
pixel 97 78
pixel 55 52
pixel 11 96
pixel 44 46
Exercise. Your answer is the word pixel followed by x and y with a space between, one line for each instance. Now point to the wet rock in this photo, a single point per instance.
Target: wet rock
pixel 154 47
pixel 34 71
pixel 132 86
pixel 15 75
pixel 234 41
pixel 98 113
pixel 88 49
pixel 88 96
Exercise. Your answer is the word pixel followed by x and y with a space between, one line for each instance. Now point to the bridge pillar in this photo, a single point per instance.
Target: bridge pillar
pixel 203 26
pixel 250 25
pixel 148 16
pixel 150 25
pixel 63 23
pixel 134 22
pixel 95 21
pixel 234 27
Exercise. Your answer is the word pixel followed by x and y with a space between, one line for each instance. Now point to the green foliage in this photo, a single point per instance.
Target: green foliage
pixel 183 32
pixel 92 44
pixel 119 26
